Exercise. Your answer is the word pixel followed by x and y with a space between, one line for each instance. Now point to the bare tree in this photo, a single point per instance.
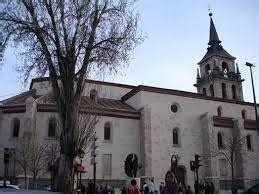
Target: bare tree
pixel 232 150
pixel 22 158
pixel 37 159
pixel 68 40
pixel 34 155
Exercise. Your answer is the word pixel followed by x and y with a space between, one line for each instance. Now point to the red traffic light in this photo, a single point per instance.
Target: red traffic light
pixel 192 165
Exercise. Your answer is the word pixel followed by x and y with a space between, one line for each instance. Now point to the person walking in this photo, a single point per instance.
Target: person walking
pixel 161 186
pixel 188 190
pixel 133 188
pixel 180 188
pixel 145 188
pixel 151 187
pixel 212 188
pixel 124 190
pixel 207 188
pixel 170 184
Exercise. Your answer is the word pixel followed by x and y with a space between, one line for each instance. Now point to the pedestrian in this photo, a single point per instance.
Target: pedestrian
pixel 90 188
pixel 151 187
pixel 133 188
pixel 83 190
pixel 112 190
pixel 124 190
pixel 97 190
pixel 180 189
pixel 188 190
pixel 212 188
pixel 161 186
pixel 145 188
pixel 207 188
pixel 105 190
pixel 170 184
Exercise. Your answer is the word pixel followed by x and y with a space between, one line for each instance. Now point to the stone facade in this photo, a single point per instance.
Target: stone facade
pixel 143 120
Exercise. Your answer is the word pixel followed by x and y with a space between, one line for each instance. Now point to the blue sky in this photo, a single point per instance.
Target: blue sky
pixel 178 32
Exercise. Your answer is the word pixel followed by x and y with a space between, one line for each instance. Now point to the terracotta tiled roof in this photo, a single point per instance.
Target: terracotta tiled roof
pixel 100 103
pixel 46 103
pixel 42 79
pixel 181 93
pixel 20 98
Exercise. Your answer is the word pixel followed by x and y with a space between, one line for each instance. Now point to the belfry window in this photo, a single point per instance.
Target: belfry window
pixel 225 67
pixel 52 128
pixel 220 142
pixel 212 90
pixel 16 127
pixel 107 131
pixel 207 69
pixel 175 137
pixel 93 95
pixel 234 94
pixel 224 91
pixel 248 142
pixel 219 111
pixel 243 114
pixel 204 91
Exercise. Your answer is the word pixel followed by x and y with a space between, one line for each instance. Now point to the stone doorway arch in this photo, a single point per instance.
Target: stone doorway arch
pixel 181 174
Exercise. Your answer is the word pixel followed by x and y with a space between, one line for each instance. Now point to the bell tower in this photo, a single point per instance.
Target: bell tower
pixel 218 75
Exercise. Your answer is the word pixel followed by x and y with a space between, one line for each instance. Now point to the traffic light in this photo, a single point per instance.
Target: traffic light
pixel 197 161
pixel 94 147
pixel 192 165
pixel 6 156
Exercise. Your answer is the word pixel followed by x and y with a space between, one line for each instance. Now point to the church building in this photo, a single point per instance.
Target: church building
pixel 153 123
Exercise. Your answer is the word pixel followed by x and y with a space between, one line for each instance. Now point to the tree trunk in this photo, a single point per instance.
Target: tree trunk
pixel 68 115
pixel 25 180
pixel 33 182
pixel 232 176
pixel 65 174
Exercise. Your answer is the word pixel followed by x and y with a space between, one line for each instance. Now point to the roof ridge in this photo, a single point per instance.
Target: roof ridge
pixel 40 79
pixel 8 100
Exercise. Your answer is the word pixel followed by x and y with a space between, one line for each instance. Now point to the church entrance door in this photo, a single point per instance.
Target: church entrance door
pixel 181 175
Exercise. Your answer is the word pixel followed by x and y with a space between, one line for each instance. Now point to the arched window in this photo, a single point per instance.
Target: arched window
pixel 248 142
pixel 220 142
pixel 234 93
pixel 211 90
pixel 93 95
pixel 224 91
pixel 243 114
pixel 52 127
pixel 225 67
pixel 207 69
pixel 175 137
pixel 204 91
pixel 107 131
pixel 219 111
pixel 16 127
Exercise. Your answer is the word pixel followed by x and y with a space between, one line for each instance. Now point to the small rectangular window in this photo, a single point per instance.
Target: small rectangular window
pixel 107 164
pixel 222 167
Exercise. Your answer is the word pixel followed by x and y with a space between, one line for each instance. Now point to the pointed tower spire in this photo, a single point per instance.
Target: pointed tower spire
pixel 214 39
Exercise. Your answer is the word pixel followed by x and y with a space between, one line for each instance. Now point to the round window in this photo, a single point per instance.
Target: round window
pixel 174 108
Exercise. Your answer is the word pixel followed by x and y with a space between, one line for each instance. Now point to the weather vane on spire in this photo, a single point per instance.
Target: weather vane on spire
pixel 209 9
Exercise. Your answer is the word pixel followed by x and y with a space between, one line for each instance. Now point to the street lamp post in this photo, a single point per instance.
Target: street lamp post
pixel 250 65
